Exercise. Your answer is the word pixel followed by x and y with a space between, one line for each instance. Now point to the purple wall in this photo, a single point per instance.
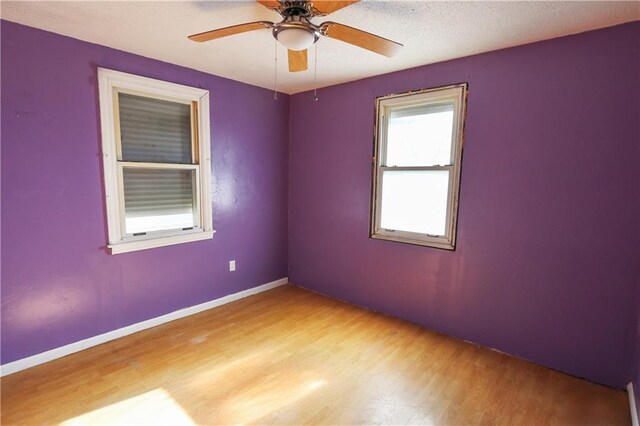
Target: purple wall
pixel 59 285
pixel 547 259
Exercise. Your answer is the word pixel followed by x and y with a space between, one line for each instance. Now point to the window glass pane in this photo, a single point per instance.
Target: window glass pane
pixel 158 199
pixel 415 201
pixel 154 130
pixel 420 136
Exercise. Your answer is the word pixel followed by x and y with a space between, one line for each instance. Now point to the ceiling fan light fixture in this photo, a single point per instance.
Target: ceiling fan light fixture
pixel 296 38
pixel 297 33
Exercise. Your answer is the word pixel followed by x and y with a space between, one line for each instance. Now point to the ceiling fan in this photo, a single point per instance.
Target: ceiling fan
pixel 296 31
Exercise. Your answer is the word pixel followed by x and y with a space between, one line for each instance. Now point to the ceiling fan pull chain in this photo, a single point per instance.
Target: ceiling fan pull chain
pixel 315 73
pixel 275 73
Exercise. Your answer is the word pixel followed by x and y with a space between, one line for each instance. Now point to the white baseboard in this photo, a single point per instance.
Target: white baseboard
pixel 632 405
pixel 52 354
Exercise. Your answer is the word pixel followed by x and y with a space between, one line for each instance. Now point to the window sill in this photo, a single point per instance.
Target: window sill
pixel 439 243
pixel 129 246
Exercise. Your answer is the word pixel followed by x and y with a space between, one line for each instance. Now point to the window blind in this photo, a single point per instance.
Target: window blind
pixel 158 199
pixel 154 130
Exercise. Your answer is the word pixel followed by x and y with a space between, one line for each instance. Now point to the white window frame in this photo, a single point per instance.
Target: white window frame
pixel 454 93
pixel 111 83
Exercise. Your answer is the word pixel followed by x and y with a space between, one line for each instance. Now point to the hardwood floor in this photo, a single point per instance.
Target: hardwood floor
pixel 292 356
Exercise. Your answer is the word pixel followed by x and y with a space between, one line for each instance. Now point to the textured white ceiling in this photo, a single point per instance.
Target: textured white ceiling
pixel 431 32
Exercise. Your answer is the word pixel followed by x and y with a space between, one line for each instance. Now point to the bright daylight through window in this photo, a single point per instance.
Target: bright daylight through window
pixel 419 138
pixel 155 138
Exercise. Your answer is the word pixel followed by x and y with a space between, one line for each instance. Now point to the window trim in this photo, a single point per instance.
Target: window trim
pixel 455 92
pixel 110 83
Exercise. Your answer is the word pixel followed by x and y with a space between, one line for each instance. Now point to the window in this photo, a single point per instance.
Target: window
pixel 418 149
pixel 157 167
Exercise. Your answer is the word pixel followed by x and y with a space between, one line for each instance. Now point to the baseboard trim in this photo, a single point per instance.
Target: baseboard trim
pixel 632 405
pixel 50 355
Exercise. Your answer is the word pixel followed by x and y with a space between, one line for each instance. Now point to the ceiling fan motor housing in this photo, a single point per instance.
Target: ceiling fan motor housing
pixel 296 8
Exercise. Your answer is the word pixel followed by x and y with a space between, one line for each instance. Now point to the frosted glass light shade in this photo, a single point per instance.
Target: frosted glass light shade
pixel 296 38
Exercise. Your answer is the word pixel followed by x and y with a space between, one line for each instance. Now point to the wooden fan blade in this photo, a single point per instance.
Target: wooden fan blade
pixel 325 7
pixel 269 3
pixel 361 38
pixel 297 60
pixel 227 31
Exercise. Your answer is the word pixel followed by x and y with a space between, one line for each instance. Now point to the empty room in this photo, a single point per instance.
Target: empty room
pixel 329 212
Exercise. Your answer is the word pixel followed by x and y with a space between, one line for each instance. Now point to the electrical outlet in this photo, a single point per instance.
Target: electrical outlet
pixel 232 265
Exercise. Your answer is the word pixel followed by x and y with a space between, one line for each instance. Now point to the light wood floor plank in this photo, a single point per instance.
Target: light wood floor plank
pixel 289 356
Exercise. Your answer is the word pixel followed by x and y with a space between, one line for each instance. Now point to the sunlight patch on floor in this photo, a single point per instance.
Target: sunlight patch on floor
pixel 264 400
pixel 155 407
pixel 213 376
